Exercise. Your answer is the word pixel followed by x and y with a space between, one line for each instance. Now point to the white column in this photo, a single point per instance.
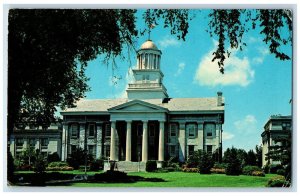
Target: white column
pixel 161 147
pixel 99 141
pixel 200 135
pixel 145 142
pixel 63 143
pixel 182 142
pixel 82 135
pixel 113 138
pixel 128 141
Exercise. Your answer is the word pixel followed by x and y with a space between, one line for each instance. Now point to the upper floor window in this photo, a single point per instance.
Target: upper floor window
pixel 173 129
pixel 91 150
pixel 107 130
pixel 44 142
pixel 210 129
pixel 74 130
pixel 91 130
pixel 172 150
pixel 191 129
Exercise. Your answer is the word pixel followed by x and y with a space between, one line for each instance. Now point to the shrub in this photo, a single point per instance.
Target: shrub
pixel 220 165
pixel 63 168
pixel 274 168
pixel 217 170
pixel 194 159
pixel 53 157
pixel 24 167
pixel 247 170
pixel 266 169
pixel 192 170
pixel 151 166
pixel 10 167
pixel 276 182
pixel 39 166
pixel 281 172
pixel 233 163
pixel 58 164
pixel 206 163
pixel 258 173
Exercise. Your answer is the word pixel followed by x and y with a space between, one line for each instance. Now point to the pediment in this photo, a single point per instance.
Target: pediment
pixel 137 106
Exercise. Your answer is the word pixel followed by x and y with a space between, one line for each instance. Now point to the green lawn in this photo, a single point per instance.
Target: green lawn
pixel 181 179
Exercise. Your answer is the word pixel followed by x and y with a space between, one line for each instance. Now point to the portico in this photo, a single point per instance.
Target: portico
pixel 144 124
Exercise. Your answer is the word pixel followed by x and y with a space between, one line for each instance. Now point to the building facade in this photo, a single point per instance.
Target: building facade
pixel 148 124
pixel 46 140
pixel 276 127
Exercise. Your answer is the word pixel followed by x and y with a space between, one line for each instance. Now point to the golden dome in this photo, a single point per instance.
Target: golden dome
pixel 149 45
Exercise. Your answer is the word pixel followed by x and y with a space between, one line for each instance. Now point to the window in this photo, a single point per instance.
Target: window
pixel 19 143
pixel 91 150
pixel 209 149
pixel 74 130
pixel 210 129
pixel 91 130
pixel 139 130
pixel 191 149
pixel 73 148
pixel 151 130
pixel 191 128
pixel 44 142
pixel 107 130
pixel 107 151
pixel 31 142
pixel 173 130
pixel 172 150
pixel 145 78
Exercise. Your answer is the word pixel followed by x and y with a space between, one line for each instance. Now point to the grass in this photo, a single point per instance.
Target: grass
pixel 182 179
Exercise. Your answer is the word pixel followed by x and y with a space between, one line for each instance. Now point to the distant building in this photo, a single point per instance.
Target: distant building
pixel 46 140
pixel 276 126
pixel 148 125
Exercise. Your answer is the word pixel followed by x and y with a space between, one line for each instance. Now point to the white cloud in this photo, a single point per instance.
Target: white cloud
pixel 263 52
pixel 168 41
pixel 247 125
pixel 237 71
pixel 227 136
pixel 181 67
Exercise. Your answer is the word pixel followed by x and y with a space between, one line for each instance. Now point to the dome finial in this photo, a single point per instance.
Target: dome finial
pixel 150 26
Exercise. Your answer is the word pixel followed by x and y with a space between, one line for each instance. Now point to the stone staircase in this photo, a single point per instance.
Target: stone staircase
pixel 127 166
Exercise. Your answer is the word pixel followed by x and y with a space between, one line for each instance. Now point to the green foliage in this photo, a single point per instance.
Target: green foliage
pixel 251 170
pixel 194 159
pixel 96 165
pixel 274 167
pixel 233 163
pixel 276 182
pixel 39 165
pixel 281 172
pixel 258 155
pixel 192 170
pixel 53 157
pixel 151 166
pixel 77 158
pixel 60 168
pixel 251 158
pixel 48 50
pixel 206 162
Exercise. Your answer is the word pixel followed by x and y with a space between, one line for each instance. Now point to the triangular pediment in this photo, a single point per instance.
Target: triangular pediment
pixel 137 106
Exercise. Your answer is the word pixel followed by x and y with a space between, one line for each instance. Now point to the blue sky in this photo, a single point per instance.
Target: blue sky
pixel 255 84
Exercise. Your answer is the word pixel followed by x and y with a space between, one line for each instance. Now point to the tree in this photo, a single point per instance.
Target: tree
pixel 258 154
pixel 251 158
pixel 206 162
pixel 282 153
pixel 10 167
pixel 234 166
pixel 48 51
pixel 28 155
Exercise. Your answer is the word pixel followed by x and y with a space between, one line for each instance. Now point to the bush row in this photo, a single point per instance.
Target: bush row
pixel 63 168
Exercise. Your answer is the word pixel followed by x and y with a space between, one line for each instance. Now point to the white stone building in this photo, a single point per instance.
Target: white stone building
pixel 46 140
pixel 148 125
pixel 276 127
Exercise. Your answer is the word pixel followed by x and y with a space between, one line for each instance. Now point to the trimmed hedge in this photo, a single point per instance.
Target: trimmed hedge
pixel 217 170
pixel 193 170
pixel 58 164
pixel 63 168
pixel 151 166
pixel 276 182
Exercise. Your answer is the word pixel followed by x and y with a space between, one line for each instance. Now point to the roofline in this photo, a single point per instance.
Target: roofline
pixel 85 113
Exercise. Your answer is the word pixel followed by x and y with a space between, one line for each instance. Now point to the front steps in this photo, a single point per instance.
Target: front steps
pixel 126 166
